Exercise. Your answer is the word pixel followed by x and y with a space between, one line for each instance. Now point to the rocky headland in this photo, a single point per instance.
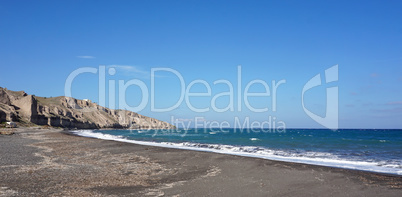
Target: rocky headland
pixel 67 112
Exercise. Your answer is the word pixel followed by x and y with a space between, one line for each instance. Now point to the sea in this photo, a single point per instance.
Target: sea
pixel 375 150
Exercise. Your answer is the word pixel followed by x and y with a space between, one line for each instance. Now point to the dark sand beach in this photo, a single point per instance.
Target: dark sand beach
pixel 49 162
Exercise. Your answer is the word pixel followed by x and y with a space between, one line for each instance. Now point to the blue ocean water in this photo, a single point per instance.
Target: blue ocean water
pixel 362 149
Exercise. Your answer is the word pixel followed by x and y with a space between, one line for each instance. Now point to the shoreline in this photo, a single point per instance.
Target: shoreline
pixel 302 160
pixel 39 162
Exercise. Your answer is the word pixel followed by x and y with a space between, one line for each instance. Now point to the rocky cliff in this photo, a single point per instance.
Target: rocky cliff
pixel 69 113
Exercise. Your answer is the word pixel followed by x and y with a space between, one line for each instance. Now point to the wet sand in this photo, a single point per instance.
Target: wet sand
pixel 49 162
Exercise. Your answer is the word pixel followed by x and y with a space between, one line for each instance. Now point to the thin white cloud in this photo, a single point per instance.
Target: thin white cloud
pixel 86 57
pixel 395 103
pixel 130 71
pixel 390 110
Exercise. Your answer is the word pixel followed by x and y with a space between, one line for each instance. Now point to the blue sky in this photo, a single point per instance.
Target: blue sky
pixel 42 42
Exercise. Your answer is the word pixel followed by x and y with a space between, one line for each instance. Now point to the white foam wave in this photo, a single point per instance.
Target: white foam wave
pixel 315 158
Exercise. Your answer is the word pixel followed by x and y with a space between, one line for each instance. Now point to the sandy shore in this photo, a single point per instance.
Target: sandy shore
pixel 38 162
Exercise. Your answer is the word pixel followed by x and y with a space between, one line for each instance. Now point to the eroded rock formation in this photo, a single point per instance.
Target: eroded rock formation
pixel 70 113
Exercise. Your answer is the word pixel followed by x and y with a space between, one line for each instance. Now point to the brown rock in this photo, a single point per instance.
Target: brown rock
pixel 70 113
